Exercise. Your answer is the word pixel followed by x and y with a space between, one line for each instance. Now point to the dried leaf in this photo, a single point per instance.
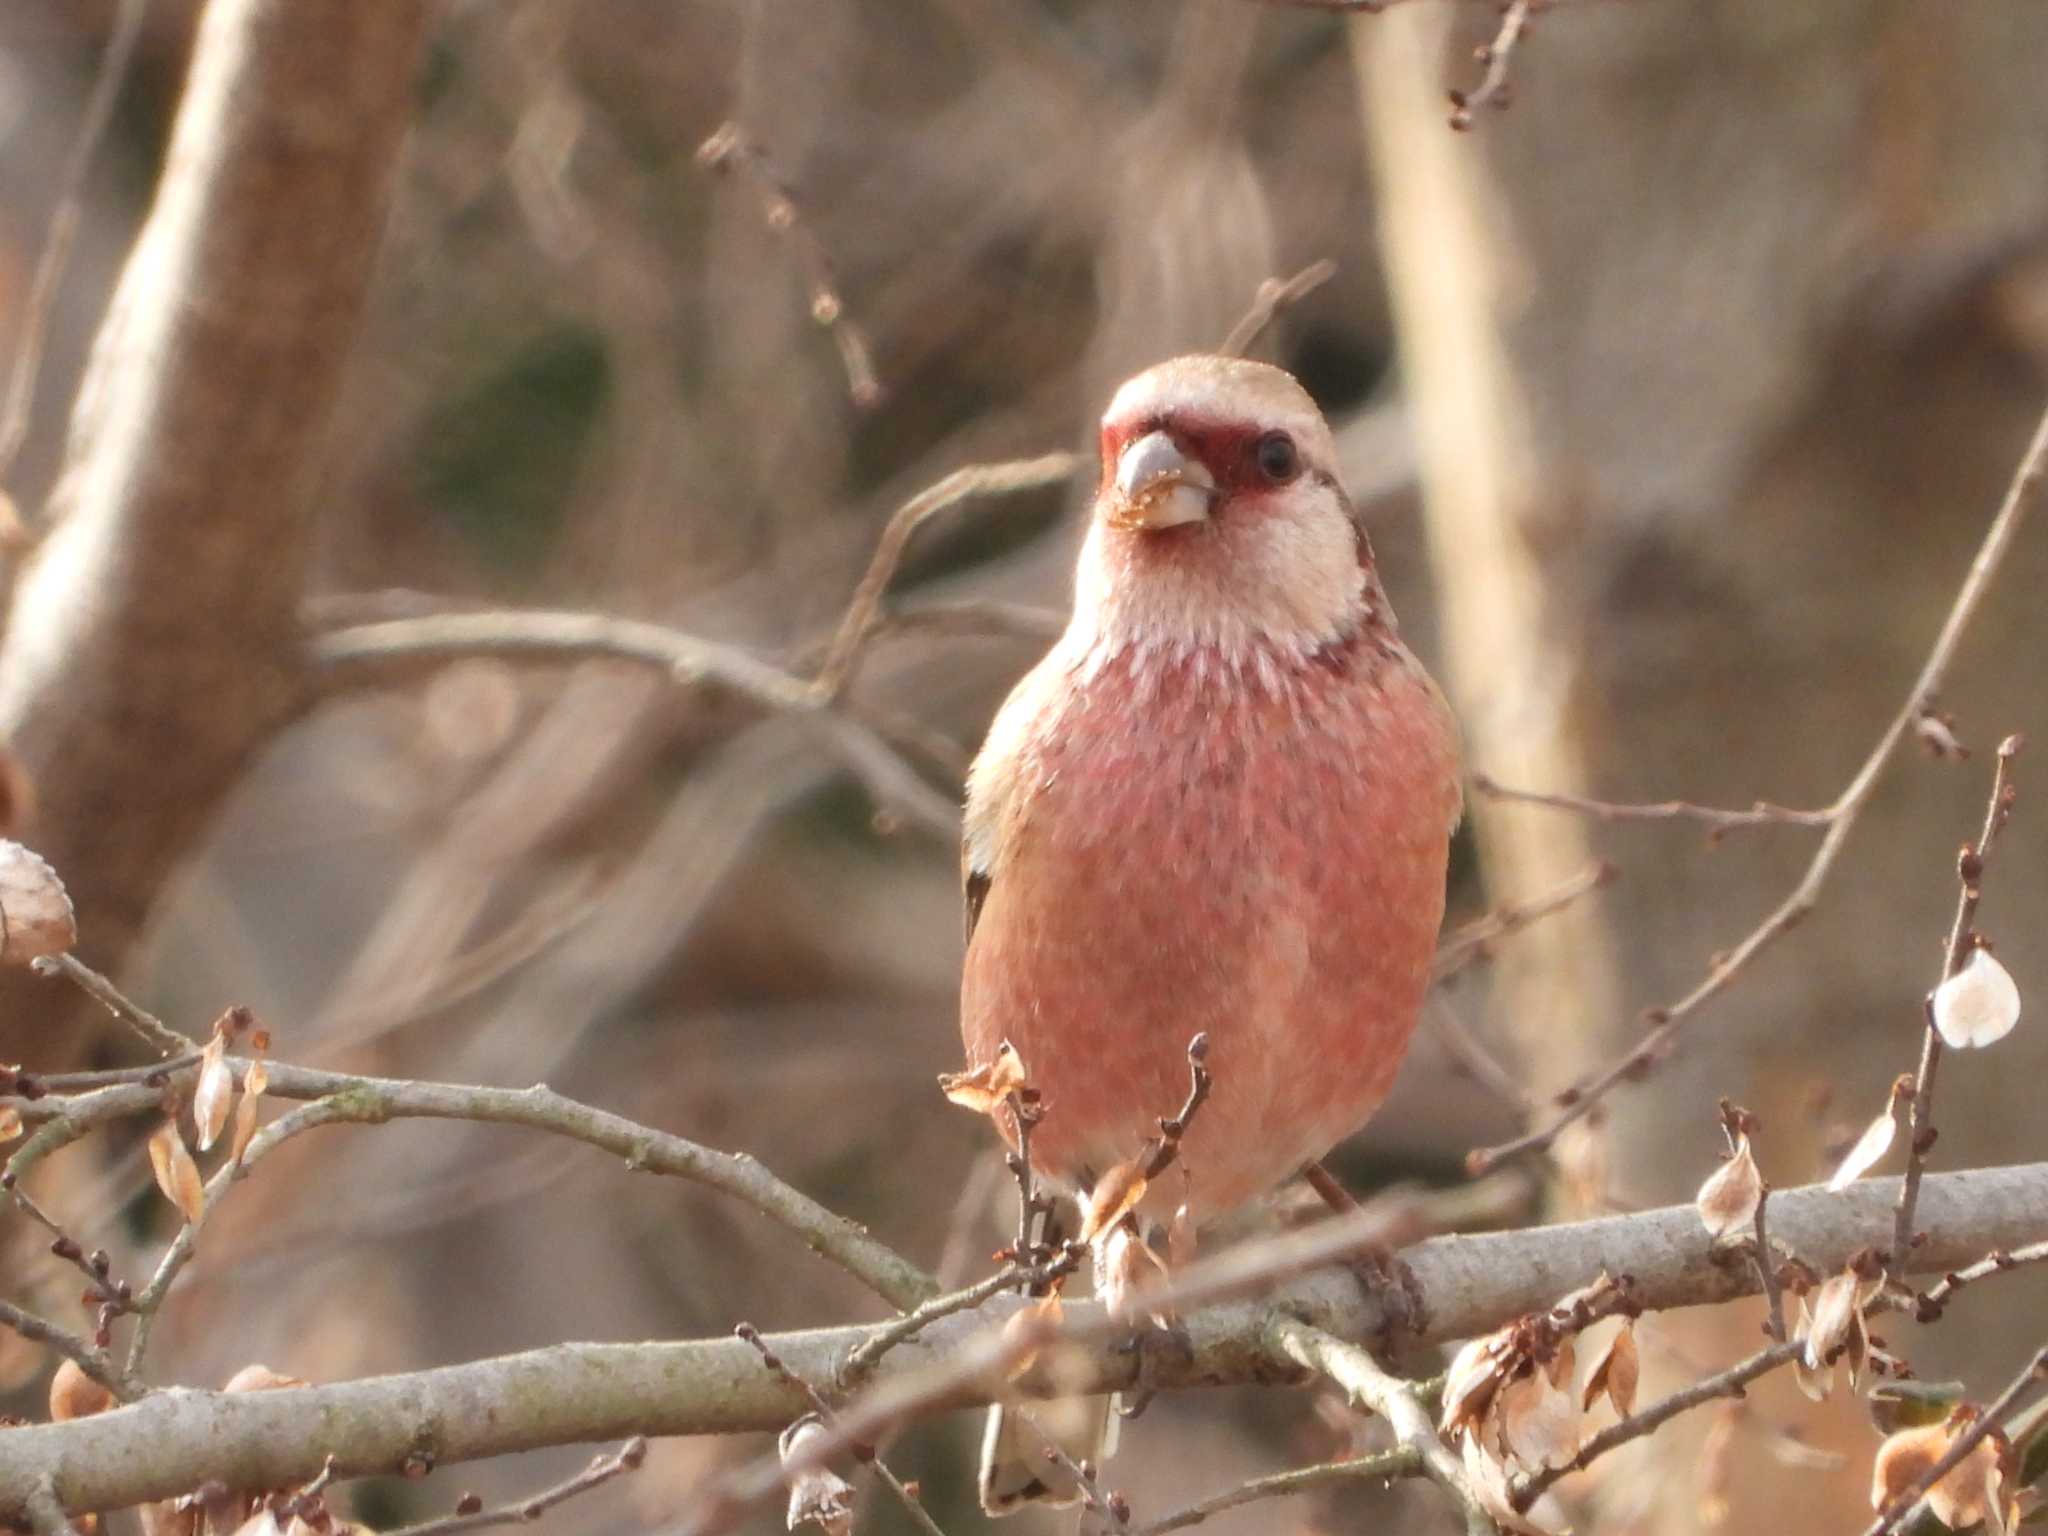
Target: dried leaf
pixel 984 1087
pixel 75 1395
pixel 1970 1493
pixel 816 1494
pixel 1124 1266
pixel 35 913
pixel 1875 1141
pixel 1472 1382
pixel 1537 1421
pixel 1727 1202
pixel 254 1082
pixel 176 1174
pixel 1113 1197
pixel 1028 1330
pixel 215 1093
pixel 1837 1313
pixel 10 1122
pixel 1488 1476
pixel 1816 1384
pixel 1979 1004
pixel 1615 1373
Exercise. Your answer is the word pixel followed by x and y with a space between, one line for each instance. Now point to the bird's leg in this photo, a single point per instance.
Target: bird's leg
pixel 1382 1271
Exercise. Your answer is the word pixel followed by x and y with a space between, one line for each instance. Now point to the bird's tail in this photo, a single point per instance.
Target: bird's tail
pixel 1018 1469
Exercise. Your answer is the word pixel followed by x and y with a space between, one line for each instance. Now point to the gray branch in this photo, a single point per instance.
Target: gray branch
pixel 574 1393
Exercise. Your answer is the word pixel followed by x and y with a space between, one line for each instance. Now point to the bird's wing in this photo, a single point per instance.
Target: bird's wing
pixel 998 777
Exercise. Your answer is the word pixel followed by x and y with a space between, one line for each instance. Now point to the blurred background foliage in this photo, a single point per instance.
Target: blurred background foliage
pixel 1766 292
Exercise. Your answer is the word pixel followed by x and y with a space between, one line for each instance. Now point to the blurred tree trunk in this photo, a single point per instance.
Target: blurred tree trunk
pixel 1765 315
pixel 150 647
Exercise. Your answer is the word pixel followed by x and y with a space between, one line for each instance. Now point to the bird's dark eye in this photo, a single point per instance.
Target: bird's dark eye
pixel 1279 461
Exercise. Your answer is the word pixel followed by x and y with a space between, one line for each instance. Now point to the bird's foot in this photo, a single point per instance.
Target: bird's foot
pixel 1387 1279
pixel 1156 1346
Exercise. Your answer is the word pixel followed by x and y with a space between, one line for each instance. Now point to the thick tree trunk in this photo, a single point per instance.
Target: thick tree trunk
pixel 150 646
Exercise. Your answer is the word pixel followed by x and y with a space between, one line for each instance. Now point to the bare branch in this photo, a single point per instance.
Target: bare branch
pixel 602 1469
pixel 153 1031
pixel 1492 90
pixel 730 151
pixel 1728 1383
pixel 572 1393
pixel 1843 813
pixel 862 612
pixel 370 1100
pixel 1962 939
pixel 1717 818
pixel 1928 1306
pixel 1369 1387
pixel 1274 295
pixel 913 1506
pixel 40 1330
pixel 1474 942
pixel 1403 1461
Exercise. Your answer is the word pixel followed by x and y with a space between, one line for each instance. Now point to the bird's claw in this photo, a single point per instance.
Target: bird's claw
pixel 1155 1346
pixel 1388 1280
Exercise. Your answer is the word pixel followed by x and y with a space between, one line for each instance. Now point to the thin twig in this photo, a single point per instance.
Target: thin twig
pixel 1471 1057
pixel 1493 90
pixel 40 1330
pixel 372 1100
pixel 56 252
pixel 149 1301
pixel 1402 1461
pixel 914 1506
pixel 863 611
pixel 1728 1383
pixel 1901 1510
pixel 1474 941
pixel 155 1033
pixel 1274 295
pixel 1962 939
pixel 1739 1125
pixel 730 151
pixel 1718 819
pixel 1107 1505
pixel 870 1351
pixel 1843 815
pixel 602 1469
pixel 111 1296
pixel 1361 1379
pixel 1929 1304
pixel 1165 1147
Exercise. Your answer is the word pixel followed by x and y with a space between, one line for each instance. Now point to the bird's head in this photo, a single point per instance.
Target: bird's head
pixel 1219 521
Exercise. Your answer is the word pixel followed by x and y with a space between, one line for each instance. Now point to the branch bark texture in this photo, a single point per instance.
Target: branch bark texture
pixel 569 1393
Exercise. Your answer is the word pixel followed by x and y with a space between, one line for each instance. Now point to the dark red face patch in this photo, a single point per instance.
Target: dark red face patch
pixel 1229 450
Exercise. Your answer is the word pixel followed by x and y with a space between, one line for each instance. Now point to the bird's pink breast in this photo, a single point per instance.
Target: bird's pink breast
pixel 1190 849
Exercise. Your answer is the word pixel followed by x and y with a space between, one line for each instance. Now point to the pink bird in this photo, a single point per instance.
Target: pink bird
pixel 1222 803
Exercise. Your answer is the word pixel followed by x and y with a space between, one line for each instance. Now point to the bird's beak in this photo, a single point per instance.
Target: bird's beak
pixel 1158 486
